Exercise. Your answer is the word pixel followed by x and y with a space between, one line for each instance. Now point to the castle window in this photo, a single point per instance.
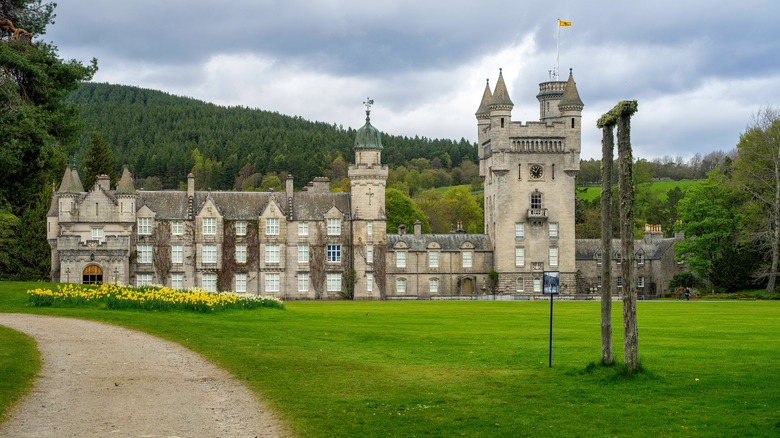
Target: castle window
pixel 144 226
pixel 209 281
pixel 370 253
pixel 177 254
pixel 334 254
pixel 640 282
pixel 272 253
pixel 240 282
pixel 272 226
pixel 519 230
pixel 303 228
pixel 618 258
pixel 598 258
pixel 467 259
pixel 572 122
pixel 240 254
pixel 519 256
pixel 640 259
pixel 241 228
pixel 303 253
pixel 553 230
pixel 502 122
pixel 369 282
pixel 400 259
pixel 369 228
pixel 209 254
pixel 209 226
pixel 97 234
pixel 553 252
pixel 553 172
pixel 177 280
pixel 272 282
pixel 620 281
pixel 177 228
pixel 145 253
pixel 334 282
pixel 520 284
pixel 536 201
pixel 400 286
pixel 537 284
pixel 143 279
pixel 433 285
pixel 334 227
pixel 303 282
pixel 433 259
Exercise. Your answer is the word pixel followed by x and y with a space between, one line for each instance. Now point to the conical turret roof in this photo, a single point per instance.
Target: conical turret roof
pixel 484 104
pixel 125 184
pixel 500 96
pixel 368 137
pixel 71 183
pixel 571 97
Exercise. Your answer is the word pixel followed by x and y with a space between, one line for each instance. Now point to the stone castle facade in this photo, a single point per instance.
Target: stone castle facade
pixel 317 244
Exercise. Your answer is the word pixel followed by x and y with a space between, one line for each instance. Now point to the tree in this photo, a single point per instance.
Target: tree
pixel 401 210
pixel 99 161
pixel 757 172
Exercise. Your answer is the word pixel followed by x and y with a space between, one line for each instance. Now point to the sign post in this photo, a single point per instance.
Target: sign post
pixel 551 282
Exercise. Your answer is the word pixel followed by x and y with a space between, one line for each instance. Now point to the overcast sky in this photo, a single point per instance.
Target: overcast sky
pixel 699 69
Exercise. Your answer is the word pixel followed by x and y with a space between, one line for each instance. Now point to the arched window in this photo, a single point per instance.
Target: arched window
pixel 92 275
pixel 520 284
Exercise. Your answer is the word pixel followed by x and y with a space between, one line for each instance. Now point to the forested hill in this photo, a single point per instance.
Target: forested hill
pixel 161 135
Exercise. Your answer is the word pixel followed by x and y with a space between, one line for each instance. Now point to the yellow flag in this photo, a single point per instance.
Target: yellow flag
pixel 562 23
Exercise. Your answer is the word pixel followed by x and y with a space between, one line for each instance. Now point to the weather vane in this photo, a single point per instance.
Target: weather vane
pixel 369 101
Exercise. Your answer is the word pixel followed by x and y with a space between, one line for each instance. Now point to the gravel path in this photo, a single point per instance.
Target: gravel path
pixel 102 380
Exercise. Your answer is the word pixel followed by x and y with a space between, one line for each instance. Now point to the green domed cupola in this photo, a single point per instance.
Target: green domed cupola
pixel 368 137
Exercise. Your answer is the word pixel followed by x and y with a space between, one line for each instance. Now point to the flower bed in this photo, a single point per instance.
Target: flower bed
pixel 148 298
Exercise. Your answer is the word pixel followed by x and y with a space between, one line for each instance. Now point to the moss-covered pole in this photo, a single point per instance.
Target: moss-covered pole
pixel 607 124
pixel 625 109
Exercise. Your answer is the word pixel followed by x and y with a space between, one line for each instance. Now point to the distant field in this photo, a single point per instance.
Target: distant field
pixel 479 368
pixel 660 188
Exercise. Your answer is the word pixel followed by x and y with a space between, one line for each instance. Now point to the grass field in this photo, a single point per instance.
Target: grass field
pixel 660 188
pixel 480 368
pixel 19 363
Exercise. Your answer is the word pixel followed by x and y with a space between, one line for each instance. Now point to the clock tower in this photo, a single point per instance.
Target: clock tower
pixel 528 170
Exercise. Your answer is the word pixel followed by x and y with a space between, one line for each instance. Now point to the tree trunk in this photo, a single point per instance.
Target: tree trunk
pixel 770 286
pixel 607 147
pixel 626 189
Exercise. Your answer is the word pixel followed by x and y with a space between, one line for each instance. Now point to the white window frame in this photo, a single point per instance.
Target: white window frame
pixel 468 259
pixel 303 228
pixel 144 226
pixel 552 229
pixel 537 285
pixel 177 228
pixel 208 253
pixel 144 253
pixel 640 282
pixel 519 230
pixel 240 282
pixel 208 281
pixel 272 226
pixel 553 255
pixel 369 228
pixel 519 256
pixel 370 253
pixel 303 253
pixel 177 253
pixel 177 280
pixel 334 227
pixel 433 259
pixel 209 226
pixel 640 259
pixel 433 285
pixel 333 253
pixel 272 282
pixel 272 253
pixel 520 284
pixel 97 234
pixel 369 282
pixel 241 253
pixel 240 228
pixel 142 279
pixel 400 285
pixel 619 281
pixel 303 282
pixel 400 259
pixel 334 281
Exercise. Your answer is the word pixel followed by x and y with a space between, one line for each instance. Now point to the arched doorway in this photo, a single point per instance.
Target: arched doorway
pixel 468 286
pixel 92 275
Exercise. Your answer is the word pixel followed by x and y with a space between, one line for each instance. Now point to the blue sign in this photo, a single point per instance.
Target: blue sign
pixel 551 283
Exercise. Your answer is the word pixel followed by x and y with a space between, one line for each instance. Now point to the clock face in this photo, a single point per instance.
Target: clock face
pixel 536 171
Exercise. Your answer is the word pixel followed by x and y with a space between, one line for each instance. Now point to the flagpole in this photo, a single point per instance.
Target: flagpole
pixel 558 51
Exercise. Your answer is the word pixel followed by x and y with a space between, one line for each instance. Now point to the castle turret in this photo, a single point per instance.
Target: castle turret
pixel 125 193
pixel 483 125
pixel 500 106
pixel 570 107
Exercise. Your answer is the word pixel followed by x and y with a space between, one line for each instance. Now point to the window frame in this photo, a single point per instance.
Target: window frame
pixel 333 226
pixel 303 282
pixel 240 282
pixel 553 256
pixel 519 230
pixel 467 262
pixel 144 253
pixel 333 281
pixel 143 278
pixel 177 253
pixel 303 253
pixel 144 226
pixel 208 281
pixel 272 282
pixel 552 230
pixel 241 228
pixel 177 228
pixel 272 227
pixel 519 257
pixel 210 250
pixel 400 259
pixel 333 253
pixel 433 259
pixel 209 226
pixel 272 254
pixel 241 253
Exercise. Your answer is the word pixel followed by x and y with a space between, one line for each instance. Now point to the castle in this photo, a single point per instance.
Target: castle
pixel 317 244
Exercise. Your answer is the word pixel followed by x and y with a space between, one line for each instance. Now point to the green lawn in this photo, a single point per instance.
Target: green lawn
pixel 660 188
pixel 480 368
pixel 19 362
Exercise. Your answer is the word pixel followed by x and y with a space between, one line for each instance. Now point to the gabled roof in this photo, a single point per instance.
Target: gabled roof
pixel 448 242
pixel 653 249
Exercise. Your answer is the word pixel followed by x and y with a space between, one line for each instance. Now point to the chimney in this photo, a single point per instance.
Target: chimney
pixel 653 232
pixel 417 228
pixel 289 186
pixel 401 229
pixel 190 185
pixel 104 182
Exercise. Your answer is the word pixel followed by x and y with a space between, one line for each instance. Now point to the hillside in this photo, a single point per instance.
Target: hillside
pixel 155 133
